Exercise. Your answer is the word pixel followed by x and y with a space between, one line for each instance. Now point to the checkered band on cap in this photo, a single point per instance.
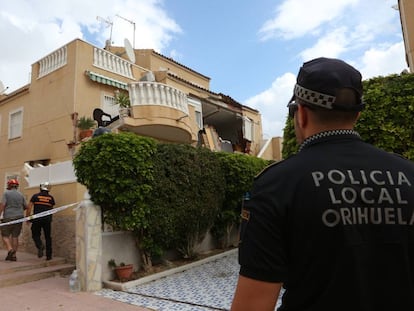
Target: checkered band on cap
pixel 314 98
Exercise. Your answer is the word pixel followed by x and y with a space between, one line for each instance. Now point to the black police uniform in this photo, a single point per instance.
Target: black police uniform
pixel 335 224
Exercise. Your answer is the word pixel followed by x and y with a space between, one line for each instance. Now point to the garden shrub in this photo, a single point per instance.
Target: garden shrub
pixel 168 195
pixel 188 192
pixel 118 171
pixel 387 120
pixel 239 171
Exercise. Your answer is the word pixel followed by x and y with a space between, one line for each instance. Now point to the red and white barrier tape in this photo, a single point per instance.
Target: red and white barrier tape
pixel 39 215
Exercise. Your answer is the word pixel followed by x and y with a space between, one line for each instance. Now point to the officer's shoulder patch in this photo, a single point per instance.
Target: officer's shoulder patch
pixel 245 214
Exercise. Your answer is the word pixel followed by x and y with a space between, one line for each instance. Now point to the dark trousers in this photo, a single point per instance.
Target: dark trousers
pixel 37 226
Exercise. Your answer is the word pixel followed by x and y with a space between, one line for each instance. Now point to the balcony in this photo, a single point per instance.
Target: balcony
pixel 53 61
pixel 112 63
pixel 159 111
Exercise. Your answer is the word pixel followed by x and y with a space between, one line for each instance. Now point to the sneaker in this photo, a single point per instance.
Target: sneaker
pixel 48 258
pixel 9 255
pixel 40 251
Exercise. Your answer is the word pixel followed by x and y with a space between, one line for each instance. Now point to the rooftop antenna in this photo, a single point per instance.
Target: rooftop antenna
pixel 133 23
pixel 108 23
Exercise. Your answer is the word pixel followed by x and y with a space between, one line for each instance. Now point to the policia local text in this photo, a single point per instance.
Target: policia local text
pixel 382 187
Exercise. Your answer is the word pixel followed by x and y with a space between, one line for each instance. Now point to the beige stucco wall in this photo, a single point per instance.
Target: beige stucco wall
pixel 273 149
pixel 155 62
pixel 157 120
pixel 406 8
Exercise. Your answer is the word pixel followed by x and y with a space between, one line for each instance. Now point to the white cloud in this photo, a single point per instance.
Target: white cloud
pixel 331 45
pixel 272 104
pixel 295 18
pixel 382 61
pixel 33 31
pixel 154 28
pixel 362 32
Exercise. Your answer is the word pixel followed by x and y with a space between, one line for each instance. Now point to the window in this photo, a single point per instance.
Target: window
pixel 198 111
pixel 199 119
pixel 247 129
pixel 108 105
pixel 16 124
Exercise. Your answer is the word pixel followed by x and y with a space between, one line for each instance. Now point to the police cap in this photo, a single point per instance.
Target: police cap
pixel 321 80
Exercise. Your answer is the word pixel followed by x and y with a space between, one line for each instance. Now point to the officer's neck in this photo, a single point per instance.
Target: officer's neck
pixel 307 126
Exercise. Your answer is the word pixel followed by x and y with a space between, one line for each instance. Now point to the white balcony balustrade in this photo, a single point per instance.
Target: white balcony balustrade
pixel 58 173
pixel 153 93
pixel 111 62
pixel 53 61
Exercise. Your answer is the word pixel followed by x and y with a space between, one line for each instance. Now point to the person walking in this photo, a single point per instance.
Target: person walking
pixel 333 224
pixel 40 202
pixel 13 205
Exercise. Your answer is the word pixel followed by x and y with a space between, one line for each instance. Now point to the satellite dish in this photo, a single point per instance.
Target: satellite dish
pixel 149 76
pixel 2 88
pixel 129 50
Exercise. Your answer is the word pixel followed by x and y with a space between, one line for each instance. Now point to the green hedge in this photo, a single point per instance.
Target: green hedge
pixel 169 195
pixel 239 171
pixel 387 121
pixel 118 172
pixel 186 198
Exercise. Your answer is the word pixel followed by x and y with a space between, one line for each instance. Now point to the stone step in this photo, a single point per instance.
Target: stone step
pixel 19 266
pixel 29 268
pixel 36 274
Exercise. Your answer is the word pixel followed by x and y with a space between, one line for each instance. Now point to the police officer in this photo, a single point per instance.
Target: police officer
pixel 42 201
pixel 334 224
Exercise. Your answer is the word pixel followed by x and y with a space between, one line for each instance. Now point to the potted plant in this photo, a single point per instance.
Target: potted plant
pixel 122 99
pixel 123 271
pixel 85 125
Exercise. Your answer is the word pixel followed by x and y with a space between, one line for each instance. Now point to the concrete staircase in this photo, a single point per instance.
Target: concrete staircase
pixel 29 268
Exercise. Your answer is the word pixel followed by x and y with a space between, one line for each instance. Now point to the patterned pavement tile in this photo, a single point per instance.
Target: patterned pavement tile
pixel 206 287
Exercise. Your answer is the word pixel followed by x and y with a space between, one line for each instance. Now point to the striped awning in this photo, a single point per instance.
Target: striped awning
pixel 106 80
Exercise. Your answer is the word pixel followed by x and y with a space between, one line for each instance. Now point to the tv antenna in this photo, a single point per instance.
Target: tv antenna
pixel 133 23
pixel 2 88
pixel 108 23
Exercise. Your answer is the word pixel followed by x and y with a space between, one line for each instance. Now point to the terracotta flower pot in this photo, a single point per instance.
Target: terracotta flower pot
pixel 85 133
pixel 124 112
pixel 124 272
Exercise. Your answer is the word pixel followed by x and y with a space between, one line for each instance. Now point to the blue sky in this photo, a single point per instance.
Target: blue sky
pixel 251 50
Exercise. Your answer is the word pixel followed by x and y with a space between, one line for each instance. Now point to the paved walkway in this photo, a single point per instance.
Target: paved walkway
pixel 206 287
pixel 53 294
